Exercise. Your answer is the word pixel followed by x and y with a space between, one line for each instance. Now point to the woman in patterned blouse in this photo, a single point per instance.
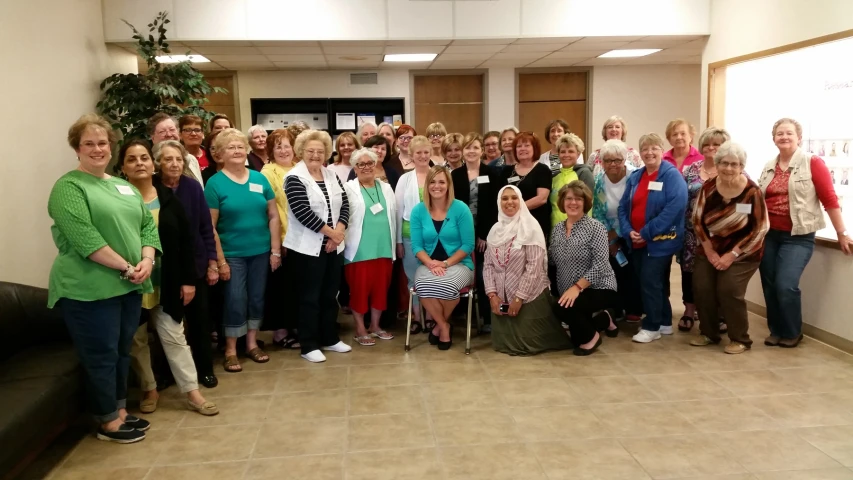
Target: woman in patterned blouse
pixel 695 175
pixel 516 281
pixel 614 129
pixel 730 220
pixel 579 251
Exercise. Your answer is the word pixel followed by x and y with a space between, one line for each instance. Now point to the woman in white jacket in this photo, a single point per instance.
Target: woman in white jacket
pixel 369 246
pixel 410 192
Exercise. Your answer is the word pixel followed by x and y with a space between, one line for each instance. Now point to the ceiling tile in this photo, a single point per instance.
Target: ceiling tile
pixel 696 45
pixel 529 56
pixel 581 45
pixel 601 61
pixel 563 40
pixel 483 41
pixel 245 65
pixel 354 50
pixel 680 38
pixel 207 66
pixel 296 58
pixel 470 57
pixel 535 47
pixel 349 59
pixel 416 43
pixel 291 50
pixel 648 60
pixel 236 58
pixel 422 49
pixel 353 43
pixel 285 43
pixel 301 66
pixel 545 62
pixel 576 54
pixel 505 63
pixel 654 44
pixel 688 61
pixel 474 48
pixel 217 43
pixel 226 50
pixel 612 39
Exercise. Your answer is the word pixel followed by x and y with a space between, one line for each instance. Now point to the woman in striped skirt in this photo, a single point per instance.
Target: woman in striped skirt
pixel 442 234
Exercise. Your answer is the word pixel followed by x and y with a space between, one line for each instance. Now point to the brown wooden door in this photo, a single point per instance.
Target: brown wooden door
pixel 222 102
pixel 454 100
pixel 543 97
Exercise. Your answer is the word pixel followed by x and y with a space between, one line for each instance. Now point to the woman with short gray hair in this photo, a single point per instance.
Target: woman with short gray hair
pixel 257 158
pixel 730 221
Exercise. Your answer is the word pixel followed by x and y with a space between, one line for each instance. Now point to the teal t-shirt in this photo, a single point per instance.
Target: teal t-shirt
pixel 375 231
pixel 243 225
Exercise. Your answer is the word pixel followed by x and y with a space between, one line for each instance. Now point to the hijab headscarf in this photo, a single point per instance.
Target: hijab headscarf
pixel 521 227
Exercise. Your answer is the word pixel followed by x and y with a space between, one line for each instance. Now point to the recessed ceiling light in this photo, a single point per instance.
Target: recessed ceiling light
pixel 411 57
pixel 181 58
pixel 637 52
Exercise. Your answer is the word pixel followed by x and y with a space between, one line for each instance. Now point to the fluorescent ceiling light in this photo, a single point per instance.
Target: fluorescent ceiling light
pixel 182 58
pixel 411 57
pixel 637 52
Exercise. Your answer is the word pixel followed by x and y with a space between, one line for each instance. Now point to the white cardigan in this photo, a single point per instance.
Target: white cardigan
pixel 299 238
pixel 407 197
pixel 357 211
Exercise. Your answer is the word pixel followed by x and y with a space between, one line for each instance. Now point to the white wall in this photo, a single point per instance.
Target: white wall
pixel 56 58
pixel 740 28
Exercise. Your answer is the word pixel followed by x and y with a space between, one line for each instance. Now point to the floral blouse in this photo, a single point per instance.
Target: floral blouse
pixel 693 177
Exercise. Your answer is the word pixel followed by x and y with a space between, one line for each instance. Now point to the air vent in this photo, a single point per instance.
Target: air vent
pixel 364 79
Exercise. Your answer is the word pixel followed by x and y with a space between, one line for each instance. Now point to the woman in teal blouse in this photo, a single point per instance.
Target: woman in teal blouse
pixel 442 231
pixel 107 240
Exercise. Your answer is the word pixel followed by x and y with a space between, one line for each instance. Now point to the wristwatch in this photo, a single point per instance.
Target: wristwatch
pixel 735 254
pixel 446 265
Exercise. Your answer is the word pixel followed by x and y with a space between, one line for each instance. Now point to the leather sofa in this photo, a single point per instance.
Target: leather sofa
pixel 41 381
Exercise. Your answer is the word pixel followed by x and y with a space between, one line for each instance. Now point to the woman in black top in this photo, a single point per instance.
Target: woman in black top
pixel 532 178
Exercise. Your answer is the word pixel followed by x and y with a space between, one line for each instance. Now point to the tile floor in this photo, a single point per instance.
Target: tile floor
pixel 663 410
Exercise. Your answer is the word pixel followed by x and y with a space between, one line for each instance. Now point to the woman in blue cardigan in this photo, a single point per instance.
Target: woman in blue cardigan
pixel 442 239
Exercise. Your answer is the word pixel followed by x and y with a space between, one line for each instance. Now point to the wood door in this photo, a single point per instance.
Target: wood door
pixel 222 102
pixel 543 97
pixel 454 100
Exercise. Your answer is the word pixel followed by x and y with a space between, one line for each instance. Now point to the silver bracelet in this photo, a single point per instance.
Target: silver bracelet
pixel 149 258
pixel 276 254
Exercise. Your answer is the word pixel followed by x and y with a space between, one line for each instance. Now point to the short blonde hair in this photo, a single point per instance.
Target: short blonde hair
pixel 90 120
pixel 570 140
pixel 796 124
pixel 610 121
pixel 449 140
pixel 671 126
pixel 158 154
pixel 315 136
pixel 713 133
pixel 227 136
pixel 579 189
pixel 418 141
pixel 651 139
pixel 434 172
pixel 436 128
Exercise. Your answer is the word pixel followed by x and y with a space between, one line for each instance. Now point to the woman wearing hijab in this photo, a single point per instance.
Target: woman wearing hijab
pixel 515 275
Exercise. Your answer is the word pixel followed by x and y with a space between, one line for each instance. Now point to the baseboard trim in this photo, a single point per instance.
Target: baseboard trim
pixel 830 339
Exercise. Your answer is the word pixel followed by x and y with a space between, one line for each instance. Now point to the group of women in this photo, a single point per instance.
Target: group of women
pixel 281 234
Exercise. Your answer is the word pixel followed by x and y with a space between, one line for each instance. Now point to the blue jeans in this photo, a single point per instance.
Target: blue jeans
pixel 652 273
pixel 102 331
pixel 244 294
pixel 785 258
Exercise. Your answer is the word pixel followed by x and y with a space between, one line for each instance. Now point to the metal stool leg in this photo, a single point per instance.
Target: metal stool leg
pixel 409 324
pixel 468 335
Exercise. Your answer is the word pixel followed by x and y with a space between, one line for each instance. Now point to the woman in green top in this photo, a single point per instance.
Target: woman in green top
pixel 107 240
pixel 570 148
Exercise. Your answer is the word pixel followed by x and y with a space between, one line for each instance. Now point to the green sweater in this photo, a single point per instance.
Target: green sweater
pixel 90 213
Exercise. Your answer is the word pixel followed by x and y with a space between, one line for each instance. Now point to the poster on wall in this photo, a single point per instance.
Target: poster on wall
pixel 345 121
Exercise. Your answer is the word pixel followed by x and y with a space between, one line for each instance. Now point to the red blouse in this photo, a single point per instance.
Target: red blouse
pixel 776 196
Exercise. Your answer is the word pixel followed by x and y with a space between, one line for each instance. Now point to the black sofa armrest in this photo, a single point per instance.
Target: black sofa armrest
pixel 26 321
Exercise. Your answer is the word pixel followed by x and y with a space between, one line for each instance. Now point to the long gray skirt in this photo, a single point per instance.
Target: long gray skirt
pixel 534 330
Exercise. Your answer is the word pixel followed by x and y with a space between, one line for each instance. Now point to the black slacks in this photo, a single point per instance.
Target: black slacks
pixel 315 295
pixel 579 318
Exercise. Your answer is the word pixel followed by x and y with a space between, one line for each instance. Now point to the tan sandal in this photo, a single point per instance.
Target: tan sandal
pixel 148 405
pixel 230 362
pixel 365 340
pixel 207 409
pixel 257 355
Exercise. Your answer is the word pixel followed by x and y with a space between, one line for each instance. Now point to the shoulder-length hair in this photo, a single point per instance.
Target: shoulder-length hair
pixel 434 172
pixel 159 152
pixel 532 139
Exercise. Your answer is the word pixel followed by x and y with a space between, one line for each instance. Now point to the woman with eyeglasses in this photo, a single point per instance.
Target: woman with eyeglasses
pixel 491 147
pixel 405 134
pixel 507 156
pixel 369 253
pixel 436 132
pixel 192 136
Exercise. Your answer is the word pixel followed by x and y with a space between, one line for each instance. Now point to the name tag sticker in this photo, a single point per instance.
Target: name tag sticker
pixel 656 186
pixel 517 246
pixel 483 179
pixel 743 208
pixel 514 179
pixel 124 190
pixel 256 187
pixel 376 208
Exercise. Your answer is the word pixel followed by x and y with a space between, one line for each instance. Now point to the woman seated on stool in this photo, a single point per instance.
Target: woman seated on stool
pixel 579 249
pixel 516 282
pixel 369 246
pixel 443 227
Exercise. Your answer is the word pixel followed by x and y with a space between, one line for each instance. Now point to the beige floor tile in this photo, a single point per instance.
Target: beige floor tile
pixel 291 359
pixel 652 363
pixel 520 368
pixel 440 397
pixel 278 359
pixel 232 411
pixel 557 423
pixel 169 414
pixel 587 460
pixel 536 392
pixel 383 375
pixel 825 474
pixel 307 380
pixel 592 366
pixel 309 405
pixel 384 400
pixel 383 432
pixel 804 410
pixel 683 386
pixel 408 464
pixel 681 456
pixel 724 415
pixel 837 442
pixel 385 354
pixel 311 467
pixel 772 450
pixel 623 344
pixel 441 372
pixel 622 389
pixel 490 462
pixel 817 379
pixel 473 427
pixel 733 476
pixel 218 470
pixel 310 437
pixel 713 359
pixel 431 354
pixel 752 383
pixel 210 444
pixel 94 453
pixel 131 473
pixel 642 419
pixel 244 383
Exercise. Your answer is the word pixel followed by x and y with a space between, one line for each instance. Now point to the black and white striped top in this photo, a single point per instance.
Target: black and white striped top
pixel 584 254
pixel 297 198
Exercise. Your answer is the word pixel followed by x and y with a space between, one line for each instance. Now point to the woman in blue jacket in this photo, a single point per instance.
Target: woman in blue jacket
pixel 651 214
pixel 442 240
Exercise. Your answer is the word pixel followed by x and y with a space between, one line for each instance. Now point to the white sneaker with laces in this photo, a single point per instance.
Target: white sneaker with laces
pixel 666 330
pixel 314 356
pixel 339 347
pixel 646 336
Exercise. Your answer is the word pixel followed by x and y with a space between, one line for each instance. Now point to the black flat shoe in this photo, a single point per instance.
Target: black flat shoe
pixel 137 423
pixel 612 333
pixel 209 381
pixel 124 434
pixel 433 339
pixel 582 352
pixel 446 345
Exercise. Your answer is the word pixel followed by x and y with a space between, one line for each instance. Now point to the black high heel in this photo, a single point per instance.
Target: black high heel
pixel 433 338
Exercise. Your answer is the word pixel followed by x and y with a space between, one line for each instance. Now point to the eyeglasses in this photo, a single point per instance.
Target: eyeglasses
pixel 573 199
pixel 235 148
pixel 312 153
pixel 165 131
pixel 405 138
pixel 436 136
pixel 491 144
pixel 193 131
pixel 364 166
pixel 729 164
pixel 612 161
pixel 92 145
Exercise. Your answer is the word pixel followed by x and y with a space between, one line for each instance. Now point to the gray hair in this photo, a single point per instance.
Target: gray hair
pixel 363 126
pixel 509 129
pixel 713 133
pixel 730 149
pixel 255 128
pixel 386 124
pixel 613 148
pixel 158 154
pixel 361 152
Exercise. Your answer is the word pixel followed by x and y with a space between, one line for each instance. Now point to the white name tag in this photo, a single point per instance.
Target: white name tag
pixel 124 190
pixel 517 246
pixel 483 179
pixel 376 208
pixel 514 179
pixel 256 187
pixel 656 186
pixel 743 208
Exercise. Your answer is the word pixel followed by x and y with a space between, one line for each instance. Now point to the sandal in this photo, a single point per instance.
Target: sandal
pixel 256 354
pixel 207 409
pixel 429 325
pixel 365 340
pixel 289 342
pixel 416 328
pixel 382 335
pixel 685 324
pixel 231 362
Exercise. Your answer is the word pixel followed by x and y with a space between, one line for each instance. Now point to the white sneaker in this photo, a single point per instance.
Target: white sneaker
pixel 339 347
pixel 666 330
pixel 646 336
pixel 314 356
